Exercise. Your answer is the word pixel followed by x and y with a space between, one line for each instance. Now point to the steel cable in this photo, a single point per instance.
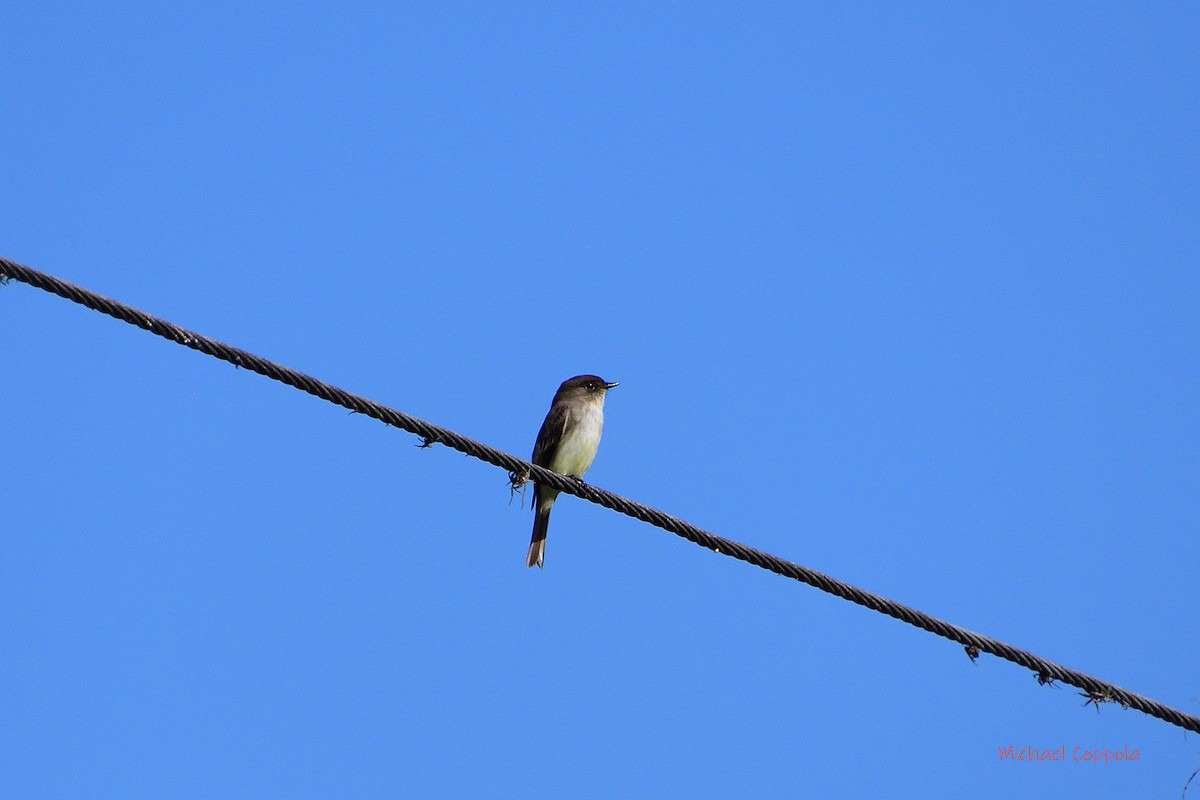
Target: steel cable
pixel 1097 691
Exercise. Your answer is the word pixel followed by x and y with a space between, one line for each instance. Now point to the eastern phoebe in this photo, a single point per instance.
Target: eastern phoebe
pixel 566 444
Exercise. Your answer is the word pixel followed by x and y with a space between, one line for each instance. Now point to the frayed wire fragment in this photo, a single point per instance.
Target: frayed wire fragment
pixel 1104 696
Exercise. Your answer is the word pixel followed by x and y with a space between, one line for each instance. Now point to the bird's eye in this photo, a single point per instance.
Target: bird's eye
pixel 591 386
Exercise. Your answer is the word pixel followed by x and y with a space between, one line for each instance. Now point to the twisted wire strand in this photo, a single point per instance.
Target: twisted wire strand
pixel 1097 691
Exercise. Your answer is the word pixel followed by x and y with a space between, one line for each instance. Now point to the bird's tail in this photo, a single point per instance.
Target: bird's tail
pixel 541 524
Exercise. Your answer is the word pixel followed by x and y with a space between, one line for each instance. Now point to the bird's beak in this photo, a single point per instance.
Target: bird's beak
pixel 611 385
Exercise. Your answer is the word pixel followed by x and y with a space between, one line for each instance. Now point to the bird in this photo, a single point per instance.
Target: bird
pixel 566 444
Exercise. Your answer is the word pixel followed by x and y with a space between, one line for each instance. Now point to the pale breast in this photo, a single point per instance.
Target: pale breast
pixel 577 449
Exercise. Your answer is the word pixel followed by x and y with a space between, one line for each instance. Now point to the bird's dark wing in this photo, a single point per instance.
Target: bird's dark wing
pixel 550 435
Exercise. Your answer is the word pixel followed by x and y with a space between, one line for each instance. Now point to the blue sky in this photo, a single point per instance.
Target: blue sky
pixel 905 293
